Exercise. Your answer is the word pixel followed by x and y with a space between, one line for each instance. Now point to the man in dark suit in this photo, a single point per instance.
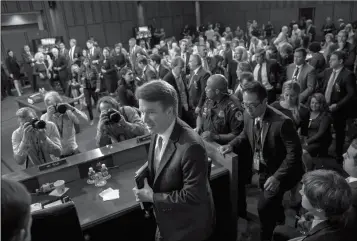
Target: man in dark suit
pixel 267 72
pixel 176 78
pixel 94 53
pixel 340 92
pixel 310 30
pixel 349 49
pixel 148 72
pixel 197 83
pixel 74 53
pixel 277 154
pixel 303 73
pixel 228 63
pixel 134 50
pixel 155 62
pixel 177 176
pixel 185 55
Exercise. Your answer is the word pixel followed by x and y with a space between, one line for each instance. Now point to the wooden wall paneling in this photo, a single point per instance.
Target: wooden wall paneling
pixel 263 16
pixel 126 33
pixel 177 26
pixel 37 5
pixel 68 11
pixel 189 7
pixel 3 7
pixel 188 19
pixel 281 17
pixel 14 40
pixel 97 12
pixel 88 11
pixel 25 6
pixel 166 23
pixel 176 8
pixel 78 33
pixel 163 10
pixel 343 11
pixel 12 7
pixel 320 15
pixel 78 13
pixel 97 31
pixel 112 32
pixel 106 12
pixel 207 15
pixel 36 34
pixel 122 11
pixel 131 13
pixel 115 11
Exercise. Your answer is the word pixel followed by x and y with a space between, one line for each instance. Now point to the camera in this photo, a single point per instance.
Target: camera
pixel 113 116
pixel 38 124
pixel 61 108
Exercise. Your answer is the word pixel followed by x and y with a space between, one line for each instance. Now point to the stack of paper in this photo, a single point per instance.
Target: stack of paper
pixel 109 194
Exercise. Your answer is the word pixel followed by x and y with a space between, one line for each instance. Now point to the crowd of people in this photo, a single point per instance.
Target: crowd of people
pixel 283 96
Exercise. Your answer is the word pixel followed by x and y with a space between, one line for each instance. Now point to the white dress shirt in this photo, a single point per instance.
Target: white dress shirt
pixel 165 139
pixel 265 80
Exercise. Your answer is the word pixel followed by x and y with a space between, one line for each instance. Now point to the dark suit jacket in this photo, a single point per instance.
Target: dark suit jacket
pixel 318 62
pixel 91 78
pixel 163 71
pixel 77 53
pixel 183 202
pixel 281 146
pixel 273 71
pixel 187 59
pixel 61 62
pixel 312 31
pixel 344 90
pixel 350 51
pixel 28 69
pixel 352 213
pixel 149 73
pixel 327 231
pixel 96 54
pixel 306 79
pixel 169 78
pixel 197 94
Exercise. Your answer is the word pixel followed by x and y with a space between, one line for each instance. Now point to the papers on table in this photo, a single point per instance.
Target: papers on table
pixel 36 207
pixel 56 194
pixel 109 194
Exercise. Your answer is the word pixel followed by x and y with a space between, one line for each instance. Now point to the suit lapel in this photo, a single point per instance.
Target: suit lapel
pixel 265 125
pixel 250 131
pixel 151 153
pixel 319 227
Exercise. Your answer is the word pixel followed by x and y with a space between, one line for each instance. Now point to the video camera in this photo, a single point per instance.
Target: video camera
pixel 114 116
pixel 61 108
pixel 38 124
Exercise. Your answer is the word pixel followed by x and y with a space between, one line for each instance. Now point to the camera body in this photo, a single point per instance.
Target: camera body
pixel 61 108
pixel 38 124
pixel 114 116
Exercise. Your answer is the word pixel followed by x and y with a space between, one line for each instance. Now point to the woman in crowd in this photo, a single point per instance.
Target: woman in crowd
pixel 211 50
pixel 119 58
pixel 29 61
pixel 351 35
pixel 317 60
pixel 328 46
pixel 255 44
pixel 243 66
pixel 108 71
pixel 326 196
pixel 319 136
pixel 90 82
pixel 47 55
pixel 84 55
pixel 239 33
pixel 14 70
pixel 282 37
pixel 42 72
pixel 126 88
pixel 216 65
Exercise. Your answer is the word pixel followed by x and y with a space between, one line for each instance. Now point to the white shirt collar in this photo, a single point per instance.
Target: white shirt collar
pixel 338 70
pixel 299 66
pixel 158 68
pixel 166 135
pixel 351 179
pixel 260 118
pixel 174 74
pixel 196 70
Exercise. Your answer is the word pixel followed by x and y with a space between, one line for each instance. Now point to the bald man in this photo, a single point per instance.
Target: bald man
pixel 220 120
pixel 60 70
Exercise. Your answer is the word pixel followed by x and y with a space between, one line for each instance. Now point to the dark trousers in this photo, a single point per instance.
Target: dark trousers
pixel 158 236
pixel 339 124
pixel 88 95
pixel 284 233
pixel 270 209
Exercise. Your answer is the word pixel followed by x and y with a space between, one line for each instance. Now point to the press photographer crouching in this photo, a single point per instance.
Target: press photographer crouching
pixel 117 123
pixel 35 140
pixel 66 118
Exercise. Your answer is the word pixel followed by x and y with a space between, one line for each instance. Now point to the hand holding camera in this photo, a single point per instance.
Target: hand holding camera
pixel 109 117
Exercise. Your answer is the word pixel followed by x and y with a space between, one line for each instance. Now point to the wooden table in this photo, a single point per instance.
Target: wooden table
pixel 40 107
pixel 106 220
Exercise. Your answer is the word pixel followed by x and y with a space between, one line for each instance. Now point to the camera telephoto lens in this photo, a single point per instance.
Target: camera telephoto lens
pixel 113 116
pixel 38 124
pixel 61 108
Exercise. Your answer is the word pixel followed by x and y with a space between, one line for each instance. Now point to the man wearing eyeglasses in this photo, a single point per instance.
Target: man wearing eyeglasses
pixel 277 154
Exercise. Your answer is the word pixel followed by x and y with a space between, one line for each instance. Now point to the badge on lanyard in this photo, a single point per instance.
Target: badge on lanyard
pixel 204 112
pixel 337 87
pixel 258 157
pixel 195 83
pixel 221 114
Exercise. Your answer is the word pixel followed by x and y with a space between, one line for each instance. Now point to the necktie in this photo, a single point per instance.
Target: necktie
pixel 257 129
pixel 296 73
pixel 191 80
pixel 157 153
pixel 330 87
pixel 260 74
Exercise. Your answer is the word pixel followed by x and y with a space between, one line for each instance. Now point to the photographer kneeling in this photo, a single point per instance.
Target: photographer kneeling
pixel 66 118
pixel 116 123
pixel 35 140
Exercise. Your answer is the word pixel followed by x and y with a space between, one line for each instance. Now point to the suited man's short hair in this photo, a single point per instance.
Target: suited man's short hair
pixel 73 40
pixel 156 58
pixel 340 55
pixel 257 88
pixel 143 60
pixel 198 59
pixel 15 208
pixel 177 61
pixel 327 190
pixel 302 50
pixel 159 91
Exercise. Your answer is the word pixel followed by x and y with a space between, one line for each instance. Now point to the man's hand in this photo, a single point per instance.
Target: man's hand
pixel 272 184
pixel 103 71
pixel 208 136
pixel 28 130
pixel 333 107
pixel 225 149
pixel 83 78
pixel 197 110
pixel 51 110
pixel 103 119
pixel 144 194
pixel 41 75
pixel 42 135
pixel 69 107
pixel 11 76
pixel 97 90
pixel 185 106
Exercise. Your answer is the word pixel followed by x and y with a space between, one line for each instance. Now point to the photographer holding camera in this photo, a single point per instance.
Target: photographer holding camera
pixel 116 123
pixel 35 140
pixel 66 118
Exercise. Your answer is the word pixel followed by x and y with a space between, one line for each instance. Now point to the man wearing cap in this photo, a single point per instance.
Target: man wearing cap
pixel 219 120
pixel 267 72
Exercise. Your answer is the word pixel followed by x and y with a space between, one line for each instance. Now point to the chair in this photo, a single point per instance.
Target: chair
pixel 57 223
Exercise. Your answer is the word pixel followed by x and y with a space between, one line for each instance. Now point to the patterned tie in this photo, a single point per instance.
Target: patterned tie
pixel 296 73
pixel 157 153
pixel 329 88
pixel 260 73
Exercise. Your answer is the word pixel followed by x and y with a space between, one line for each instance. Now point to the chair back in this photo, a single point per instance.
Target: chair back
pixel 57 223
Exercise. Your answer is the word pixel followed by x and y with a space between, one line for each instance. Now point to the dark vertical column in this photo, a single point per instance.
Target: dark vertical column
pixel 198 13
pixel 140 14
